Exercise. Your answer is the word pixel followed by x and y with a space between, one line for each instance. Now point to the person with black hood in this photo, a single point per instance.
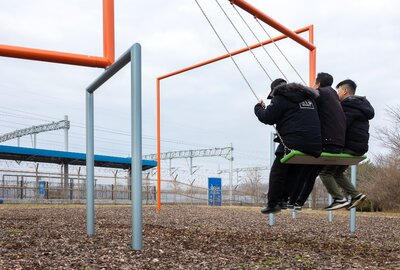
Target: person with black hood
pixel 333 131
pixel 358 112
pixel 295 114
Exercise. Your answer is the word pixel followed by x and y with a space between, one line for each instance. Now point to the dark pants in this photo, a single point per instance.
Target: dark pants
pixel 281 180
pixel 305 184
pixel 306 180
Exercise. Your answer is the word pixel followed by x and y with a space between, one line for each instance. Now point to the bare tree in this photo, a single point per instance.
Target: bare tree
pixel 381 181
pixel 252 185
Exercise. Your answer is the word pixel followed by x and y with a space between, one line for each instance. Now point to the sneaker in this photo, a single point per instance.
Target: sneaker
pixel 357 200
pixel 337 204
pixel 297 207
pixel 271 210
pixel 290 207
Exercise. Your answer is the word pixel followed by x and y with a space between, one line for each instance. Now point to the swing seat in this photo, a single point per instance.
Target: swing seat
pixel 297 157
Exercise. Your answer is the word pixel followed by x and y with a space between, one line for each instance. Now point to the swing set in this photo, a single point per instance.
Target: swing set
pixel 293 156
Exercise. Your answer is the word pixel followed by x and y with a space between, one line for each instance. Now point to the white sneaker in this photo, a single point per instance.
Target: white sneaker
pixel 337 204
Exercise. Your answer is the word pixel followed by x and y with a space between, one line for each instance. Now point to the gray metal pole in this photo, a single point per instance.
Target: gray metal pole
pixel 136 145
pixel 330 214
pixel 353 210
pixel 271 161
pixel 34 140
pixel 66 134
pixel 89 164
pixel 18 141
pixel 230 176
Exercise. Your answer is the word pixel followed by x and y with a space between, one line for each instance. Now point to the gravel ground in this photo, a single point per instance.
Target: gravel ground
pixel 190 237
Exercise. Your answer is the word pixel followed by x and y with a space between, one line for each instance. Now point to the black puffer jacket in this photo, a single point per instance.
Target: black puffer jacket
pixel 333 120
pixel 358 112
pixel 294 112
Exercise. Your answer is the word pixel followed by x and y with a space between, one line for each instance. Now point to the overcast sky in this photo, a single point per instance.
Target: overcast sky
pixel 205 108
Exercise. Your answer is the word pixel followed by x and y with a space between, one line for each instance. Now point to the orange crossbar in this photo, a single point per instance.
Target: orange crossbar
pixel 246 49
pixel 158 90
pixel 273 23
pixel 71 58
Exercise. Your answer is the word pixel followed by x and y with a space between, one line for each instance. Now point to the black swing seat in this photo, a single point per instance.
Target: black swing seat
pixel 297 157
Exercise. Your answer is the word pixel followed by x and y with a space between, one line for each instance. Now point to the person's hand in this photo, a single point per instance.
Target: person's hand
pixel 262 103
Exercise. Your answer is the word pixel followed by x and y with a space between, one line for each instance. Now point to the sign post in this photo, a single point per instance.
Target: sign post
pixel 214 192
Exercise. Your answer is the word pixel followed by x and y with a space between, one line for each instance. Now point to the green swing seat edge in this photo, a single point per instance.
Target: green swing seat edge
pixel 297 157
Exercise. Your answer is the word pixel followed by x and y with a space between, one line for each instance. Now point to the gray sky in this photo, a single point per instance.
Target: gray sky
pixel 208 107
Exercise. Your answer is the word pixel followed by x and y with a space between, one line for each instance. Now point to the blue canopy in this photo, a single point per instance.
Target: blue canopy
pixel 71 158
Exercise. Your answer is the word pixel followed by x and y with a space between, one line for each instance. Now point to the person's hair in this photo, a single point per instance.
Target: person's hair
pixel 349 84
pixel 324 79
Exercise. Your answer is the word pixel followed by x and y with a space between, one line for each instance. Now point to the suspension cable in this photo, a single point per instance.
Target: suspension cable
pixel 226 49
pixel 259 41
pixel 276 45
pixel 247 45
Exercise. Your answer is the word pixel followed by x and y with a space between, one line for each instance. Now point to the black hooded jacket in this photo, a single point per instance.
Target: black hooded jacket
pixel 333 120
pixel 358 112
pixel 295 114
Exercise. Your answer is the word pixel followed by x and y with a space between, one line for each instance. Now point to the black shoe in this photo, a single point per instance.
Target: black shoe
pixel 357 200
pixel 297 207
pixel 290 207
pixel 271 210
pixel 337 204
pixel 283 205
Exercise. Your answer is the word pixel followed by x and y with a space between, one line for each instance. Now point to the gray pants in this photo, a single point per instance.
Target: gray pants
pixel 332 176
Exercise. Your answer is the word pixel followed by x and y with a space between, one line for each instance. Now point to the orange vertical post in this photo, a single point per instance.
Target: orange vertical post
pixel 313 57
pixel 108 31
pixel 158 146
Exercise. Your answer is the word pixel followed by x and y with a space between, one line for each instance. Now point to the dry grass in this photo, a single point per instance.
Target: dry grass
pixel 184 237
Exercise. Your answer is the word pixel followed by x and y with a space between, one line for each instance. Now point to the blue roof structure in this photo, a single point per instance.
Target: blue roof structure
pixel 71 158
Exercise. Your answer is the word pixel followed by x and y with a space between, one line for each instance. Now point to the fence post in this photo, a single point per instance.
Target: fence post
pixel 47 190
pixel 22 187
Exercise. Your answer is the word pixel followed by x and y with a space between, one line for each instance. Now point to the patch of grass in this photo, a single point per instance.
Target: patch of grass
pixel 304 261
pixel 12 231
pixel 271 260
pixel 86 268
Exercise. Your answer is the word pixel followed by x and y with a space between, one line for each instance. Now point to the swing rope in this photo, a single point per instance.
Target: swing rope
pixel 279 49
pixel 237 66
pixel 259 41
pixel 227 51
pixel 244 41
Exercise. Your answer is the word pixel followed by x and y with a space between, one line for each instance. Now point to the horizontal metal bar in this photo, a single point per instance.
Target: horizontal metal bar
pixel 110 71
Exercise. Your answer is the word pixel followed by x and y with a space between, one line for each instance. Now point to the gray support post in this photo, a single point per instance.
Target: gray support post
pixel 271 161
pixel 353 210
pixel 89 164
pixel 18 141
pixel 37 180
pixel 66 177
pixel 330 214
pixel 230 176
pixel 66 135
pixel 136 145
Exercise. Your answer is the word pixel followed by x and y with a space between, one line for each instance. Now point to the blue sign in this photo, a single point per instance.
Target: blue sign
pixel 214 192
pixel 42 188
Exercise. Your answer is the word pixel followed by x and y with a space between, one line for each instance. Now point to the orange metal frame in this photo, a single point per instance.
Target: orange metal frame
pixel 287 33
pixel 70 58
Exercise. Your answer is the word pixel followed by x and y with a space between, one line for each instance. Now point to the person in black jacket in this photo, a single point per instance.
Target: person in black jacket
pixel 358 112
pixel 333 130
pixel 294 112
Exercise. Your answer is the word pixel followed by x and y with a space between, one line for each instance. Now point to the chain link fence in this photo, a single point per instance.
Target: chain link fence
pixel 28 186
